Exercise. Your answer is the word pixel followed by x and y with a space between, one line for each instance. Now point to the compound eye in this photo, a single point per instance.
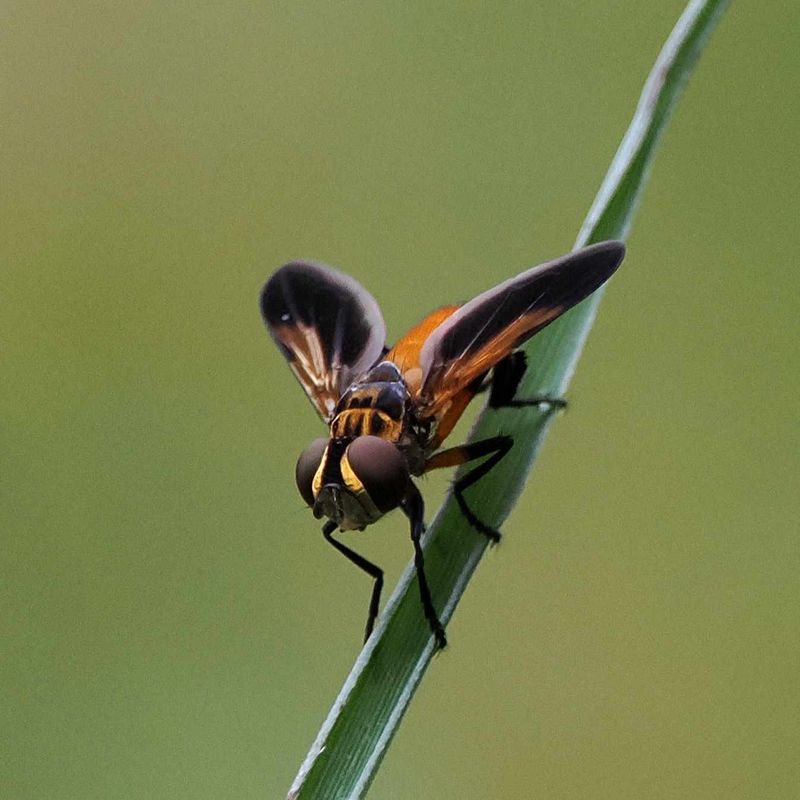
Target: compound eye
pixel 381 468
pixel 307 466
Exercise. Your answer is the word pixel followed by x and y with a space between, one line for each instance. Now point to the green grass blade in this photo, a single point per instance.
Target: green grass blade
pixel 359 727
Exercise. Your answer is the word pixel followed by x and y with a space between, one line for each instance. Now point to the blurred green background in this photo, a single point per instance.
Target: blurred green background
pixel 173 625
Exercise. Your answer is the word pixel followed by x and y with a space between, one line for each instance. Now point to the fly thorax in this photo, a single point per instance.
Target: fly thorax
pixel 376 405
pixel 365 422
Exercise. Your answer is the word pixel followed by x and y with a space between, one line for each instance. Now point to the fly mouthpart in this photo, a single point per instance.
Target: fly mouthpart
pixel 329 503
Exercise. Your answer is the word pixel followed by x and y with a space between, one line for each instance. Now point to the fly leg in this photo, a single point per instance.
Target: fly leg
pixel 368 567
pixel 414 508
pixel 496 448
pixel 505 381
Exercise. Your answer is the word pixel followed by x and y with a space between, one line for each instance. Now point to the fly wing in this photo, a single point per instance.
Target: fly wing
pixel 329 328
pixel 485 330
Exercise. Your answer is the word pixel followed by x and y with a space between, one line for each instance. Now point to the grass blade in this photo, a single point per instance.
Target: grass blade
pixel 359 727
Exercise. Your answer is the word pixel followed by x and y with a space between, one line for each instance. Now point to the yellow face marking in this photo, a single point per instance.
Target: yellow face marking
pixel 351 480
pixel 354 485
pixel 316 483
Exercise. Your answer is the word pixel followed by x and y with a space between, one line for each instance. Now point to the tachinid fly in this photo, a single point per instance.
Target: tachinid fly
pixel 390 409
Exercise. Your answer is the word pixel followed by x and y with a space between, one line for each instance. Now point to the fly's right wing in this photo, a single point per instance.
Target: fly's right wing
pixel 485 330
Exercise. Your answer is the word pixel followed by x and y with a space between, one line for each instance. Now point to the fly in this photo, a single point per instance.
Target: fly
pixel 389 410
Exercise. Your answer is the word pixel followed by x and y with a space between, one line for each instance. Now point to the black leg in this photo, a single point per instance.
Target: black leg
pixel 414 508
pixel 498 446
pixel 505 382
pixel 495 447
pixel 368 567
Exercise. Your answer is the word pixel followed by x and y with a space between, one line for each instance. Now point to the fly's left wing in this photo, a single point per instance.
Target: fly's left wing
pixel 482 332
pixel 329 328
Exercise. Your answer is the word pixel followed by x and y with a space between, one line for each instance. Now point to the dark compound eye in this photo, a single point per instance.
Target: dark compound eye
pixel 381 468
pixel 307 466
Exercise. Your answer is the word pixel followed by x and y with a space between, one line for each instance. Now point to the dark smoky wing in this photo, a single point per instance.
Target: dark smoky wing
pixel 486 329
pixel 329 328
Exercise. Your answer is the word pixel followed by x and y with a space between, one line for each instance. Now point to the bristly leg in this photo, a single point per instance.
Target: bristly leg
pixel 414 508
pixel 368 567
